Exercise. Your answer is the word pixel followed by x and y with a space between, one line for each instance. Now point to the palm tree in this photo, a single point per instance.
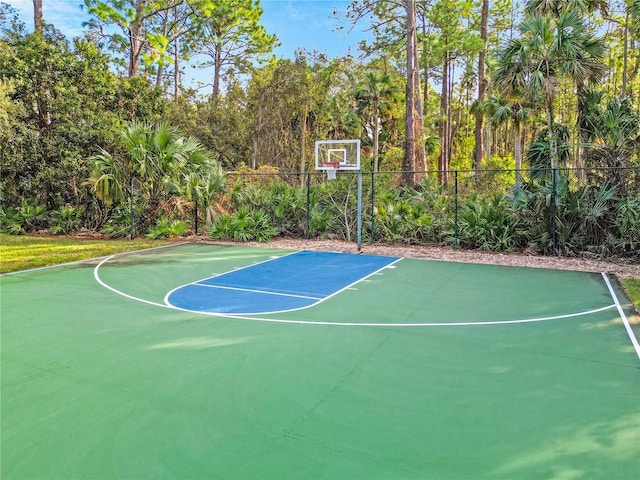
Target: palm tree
pixel 518 114
pixel 201 188
pixel 549 49
pixel 375 98
pixel 555 7
pixel 588 115
pixel 108 180
pixel 615 141
pixel 156 157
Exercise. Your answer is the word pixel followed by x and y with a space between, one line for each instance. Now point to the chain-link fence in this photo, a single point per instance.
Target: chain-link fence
pixel 567 211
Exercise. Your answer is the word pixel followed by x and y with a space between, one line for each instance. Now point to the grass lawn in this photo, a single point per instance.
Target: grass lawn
pixel 632 286
pixel 21 252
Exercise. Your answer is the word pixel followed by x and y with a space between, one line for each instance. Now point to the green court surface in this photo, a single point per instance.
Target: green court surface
pixel 423 370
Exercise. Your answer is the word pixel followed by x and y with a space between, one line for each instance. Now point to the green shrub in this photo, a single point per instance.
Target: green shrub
pixel 411 215
pixel 487 223
pixel 404 221
pixel 627 222
pixel 28 217
pixel 333 208
pixel 500 175
pixel 243 226
pixel 118 225
pixel 285 205
pixel 531 204
pixel 66 220
pixel 166 228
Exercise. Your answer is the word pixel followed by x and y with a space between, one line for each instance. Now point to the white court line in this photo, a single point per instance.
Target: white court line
pixel 625 320
pixel 96 275
pixel 126 295
pixel 197 282
pixel 340 324
pixel 323 299
pixel 439 324
pixel 354 324
pixel 236 269
pixel 250 290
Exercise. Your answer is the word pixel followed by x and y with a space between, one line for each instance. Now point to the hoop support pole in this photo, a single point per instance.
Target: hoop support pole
pixel 359 240
pixel 307 234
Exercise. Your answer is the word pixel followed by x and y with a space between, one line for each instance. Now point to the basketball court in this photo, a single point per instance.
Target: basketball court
pixel 211 361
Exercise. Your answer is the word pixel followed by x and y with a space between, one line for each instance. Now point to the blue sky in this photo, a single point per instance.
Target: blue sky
pixel 305 24
pixel 308 24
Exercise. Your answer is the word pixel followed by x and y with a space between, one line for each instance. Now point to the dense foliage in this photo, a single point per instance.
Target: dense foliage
pixel 543 215
pixel 539 149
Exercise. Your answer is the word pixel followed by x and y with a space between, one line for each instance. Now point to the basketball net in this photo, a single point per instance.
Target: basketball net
pixel 332 170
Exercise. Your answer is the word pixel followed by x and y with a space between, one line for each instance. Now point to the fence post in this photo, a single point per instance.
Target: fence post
pixel 359 226
pixel 195 216
pixel 308 205
pixel 554 187
pixel 373 208
pixel 132 231
pixel 455 190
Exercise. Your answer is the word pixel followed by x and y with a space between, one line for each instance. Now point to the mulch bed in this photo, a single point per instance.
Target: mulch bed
pixel 622 268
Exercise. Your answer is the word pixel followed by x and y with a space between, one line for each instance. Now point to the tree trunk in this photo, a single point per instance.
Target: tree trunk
pixel 165 32
pixel 409 161
pixel 450 132
pixel 551 138
pixel 376 144
pixel 443 130
pixel 303 139
pixel 136 43
pixel 420 162
pixel 159 75
pixel 625 54
pixel 517 151
pixel 257 130
pixel 254 153
pixel 487 142
pixel 38 22
pixel 217 68
pixel 414 151
pixel 425 69
pixel 479 153
pixel 176 70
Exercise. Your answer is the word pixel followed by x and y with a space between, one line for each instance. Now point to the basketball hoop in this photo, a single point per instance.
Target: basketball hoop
pixel 343 156
pixel 332 169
